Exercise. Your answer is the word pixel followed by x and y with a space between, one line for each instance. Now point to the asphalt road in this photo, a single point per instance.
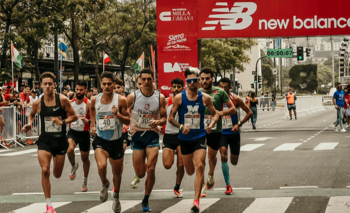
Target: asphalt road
pixel 285 166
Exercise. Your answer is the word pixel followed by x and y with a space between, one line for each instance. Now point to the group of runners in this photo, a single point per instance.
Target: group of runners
pixel 192 119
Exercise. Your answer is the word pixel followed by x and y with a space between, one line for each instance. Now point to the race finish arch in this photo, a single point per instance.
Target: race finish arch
pixel 181 23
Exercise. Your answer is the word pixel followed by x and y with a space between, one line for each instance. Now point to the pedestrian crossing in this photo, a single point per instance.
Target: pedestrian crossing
pixel 335 204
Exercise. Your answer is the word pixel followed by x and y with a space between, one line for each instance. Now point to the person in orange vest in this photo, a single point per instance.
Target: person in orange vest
pixel 291 98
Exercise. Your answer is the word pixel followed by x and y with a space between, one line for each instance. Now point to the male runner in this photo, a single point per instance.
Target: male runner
pixel 52 142
pixel 118 88
pixel 147 107
pixel 219 97
pixel 190 105
pixel 231 134
pixel 79 133
pixel 109 111
pixel 171 142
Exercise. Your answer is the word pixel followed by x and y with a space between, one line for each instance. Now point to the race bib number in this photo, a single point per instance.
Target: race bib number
pixel 226 122
pixel 50 126
pixel 78 125
pixel 106 122
pixel 144 120
pixel 207 121
pixel 193 121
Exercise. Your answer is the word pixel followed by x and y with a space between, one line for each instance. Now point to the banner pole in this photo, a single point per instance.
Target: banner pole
pixel 13 83
pixel 103 61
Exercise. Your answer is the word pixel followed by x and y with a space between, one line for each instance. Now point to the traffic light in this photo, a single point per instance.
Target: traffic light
pixel 259 78
pixel 308 50
pixel 300 53
pixel 252 86
pixel 254 78
pixel 341 66
pixel 260 86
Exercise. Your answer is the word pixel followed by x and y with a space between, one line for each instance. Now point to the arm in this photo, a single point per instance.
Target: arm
pixel 93 116
pixel 335 103
pixel 31 116
pixel 123 114
pixel 84 119
pixel 245 108
pixel 162 113
pixel 215 116
pixel 230 111
pixel 69 109
pixel 130 102
pixel 162 121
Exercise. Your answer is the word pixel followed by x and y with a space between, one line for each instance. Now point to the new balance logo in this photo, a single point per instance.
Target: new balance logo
pixel 234 19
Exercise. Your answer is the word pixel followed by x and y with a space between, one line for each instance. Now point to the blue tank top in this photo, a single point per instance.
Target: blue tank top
pixel 192 112
pixel 234 119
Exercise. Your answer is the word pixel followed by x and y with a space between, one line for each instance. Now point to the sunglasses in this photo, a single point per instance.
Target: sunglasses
pixel 190 80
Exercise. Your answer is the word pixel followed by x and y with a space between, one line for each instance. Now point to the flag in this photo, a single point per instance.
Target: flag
pixel 106 58
pixel 16 58
pixel 63 50
pixel 139 65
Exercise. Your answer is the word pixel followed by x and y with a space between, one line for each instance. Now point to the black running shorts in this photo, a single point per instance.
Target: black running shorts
pixel 125 138
pixel 114 148
pixel 81 138
pixel 234 141
pixel 56 146
pixel 171 141
pixel 189 147
pixel 213 140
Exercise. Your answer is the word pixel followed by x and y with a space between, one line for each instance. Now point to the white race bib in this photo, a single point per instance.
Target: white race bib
pixel 50 126
pixel 227 122
pixel 106 122
pixel 78 125
pixel 193 120
pixel 144 119
pixel 207 121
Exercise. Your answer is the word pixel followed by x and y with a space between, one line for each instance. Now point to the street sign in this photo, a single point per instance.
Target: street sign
pixel 274 71
pixel 253 72
pixel 279 53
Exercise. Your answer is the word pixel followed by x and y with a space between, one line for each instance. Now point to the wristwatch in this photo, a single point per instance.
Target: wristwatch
pixel 239 124
pixel 63 122
pixel 181 127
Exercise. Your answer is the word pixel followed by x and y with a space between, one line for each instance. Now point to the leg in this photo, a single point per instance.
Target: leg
pixel 212 160
pixel 341 117
pixel 188 163
pixel 199 164
pixel 224 165
pixel 168 158
pixel 152 158
pixel 101 160
pixel 290 113
pixel 86 162
pixel 180 172
pixel 44 158
pixel 58 163
pixel 295 113
pixel 117 170
pixel 138 159
pixel 124 146
pixel 70 151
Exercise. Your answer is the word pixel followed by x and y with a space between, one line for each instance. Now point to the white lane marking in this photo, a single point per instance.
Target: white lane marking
pixel 184 205
pixel 250 147
pixel 88 192
pixel 29 193
pixel 268 205
pixel 298 187
pixel 262 138
pixel 312 136
pixel 20 153
pixel 39 207
pixel 326 146
pixel 287 147
pixel 338 204
pixel 304 141
pixel 164 190
pixel 6 150
pixel 224 189
pixel 106 207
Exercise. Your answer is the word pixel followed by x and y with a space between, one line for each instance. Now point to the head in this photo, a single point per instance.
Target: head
pixel 267 93
pixel 15 78
pixel 192 79
pixel 3 89
pixel 118 85
pixel 67 87
pixel 107 82
pixel 273 92
pixel 22 87
pixel 48 83
pixel 27 89
pixel 80 89
pixel 225 84
pixel 89 93
pixel 36 85
pixel 290 90
pixel 65 91
pixel 177 86
pixel 252 94
pixel 55 90
pixel 346 90
pixel 206 76
pixel 34 93
pixel 139 82
pixel 147 79
pixel 339 86
pixel 94 91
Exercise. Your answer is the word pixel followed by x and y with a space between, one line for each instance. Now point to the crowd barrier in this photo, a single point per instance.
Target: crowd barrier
pixel 306 105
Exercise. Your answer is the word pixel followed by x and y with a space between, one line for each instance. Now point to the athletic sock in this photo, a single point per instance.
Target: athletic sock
pixel 177 187
pixel 116 193
pixel 196 202
pixel 104 183
pixel 145 199
pixel 225 172
pixel 48 202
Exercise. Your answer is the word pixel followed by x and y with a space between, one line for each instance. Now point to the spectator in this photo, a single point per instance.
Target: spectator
pixel 37 88
pixel 253 101
pixel 23 118
pixel 94 91
pixel 3 102
pixel 34 96
pixel 273 101
pixel 291 98
pixel 65 91
pixel 68 87
pixel 338 101
pixel 21 89
pixel 346 106
pixel 89 94
pixel 9 84
pixel 265 101
pixel 247 100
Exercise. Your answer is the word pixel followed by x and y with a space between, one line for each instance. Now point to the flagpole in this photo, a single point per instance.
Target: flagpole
pixel 13 83
pixel 143 60
pixel 103 61
pixel 61 84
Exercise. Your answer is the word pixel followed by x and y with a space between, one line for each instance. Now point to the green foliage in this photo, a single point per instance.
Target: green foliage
pixel 304 77
pixel 267 76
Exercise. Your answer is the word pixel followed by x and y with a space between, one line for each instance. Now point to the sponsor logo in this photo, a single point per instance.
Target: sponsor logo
pixel 147 106
pixel 236 17
pixel 193 109
pixel 56 108
pixel 164 87
pixel 176 14
pixel 177 67
pixel 176 47
pixel 173 43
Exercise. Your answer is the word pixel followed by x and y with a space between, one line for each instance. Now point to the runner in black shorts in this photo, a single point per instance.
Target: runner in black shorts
pixel 52 142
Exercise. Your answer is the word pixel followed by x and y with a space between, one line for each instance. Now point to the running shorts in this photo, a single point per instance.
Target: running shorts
pixel 82 138
pixel 125 138
pixel 234 141
pixel 213 140
pixel 114 148
pixel 189 147
pixel 142 140
pixel 171 141
pixel 55 146
pixel 291 106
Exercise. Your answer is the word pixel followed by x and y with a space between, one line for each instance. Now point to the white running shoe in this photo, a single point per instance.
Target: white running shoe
pixel 135 181
pixel 104 192
pixel 336 129
pixel 116 207
pixel 73 170
pixel 343 130
pixel 347 126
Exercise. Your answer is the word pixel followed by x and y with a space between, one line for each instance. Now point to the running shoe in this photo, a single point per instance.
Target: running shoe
pixel 135 181
pixel 116 207
pixel 347 126
pixel 254 126
pixel 29 142
pixel 228 190
pixel 296 118
pixel 336 129
pixel 343 130
pixel 145 207
pixel 177 193
pixel 195 208
pixel 84 186
pixel 20 142
pixel 210 182
pixel 290 118
pixel 73 171
pixel 104 192
pixel 49 209
pixel 203 193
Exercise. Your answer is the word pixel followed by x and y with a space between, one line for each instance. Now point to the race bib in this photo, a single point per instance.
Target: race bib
pixel 78 125
pixel 207 121
pixel 144 120
pixel 50 126
pixel 193 121
pixel 226 122
pixel 106 122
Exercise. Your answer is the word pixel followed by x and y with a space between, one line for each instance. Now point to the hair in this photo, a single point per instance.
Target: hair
pixel 267 93
pixel 14 92
pixel 226 80
pixel 118 81
pixel 191 71
pixel 252 94
pixel 177 81
pixel 207 70
pixel 65 89
pixel 27 86
pixel 36 83
pixel 16 76
pixel 94 88
pixel 338 83
pixel 82 83
pixel 107 74
pixel 146 71
pixel 34 91
pixel 48 75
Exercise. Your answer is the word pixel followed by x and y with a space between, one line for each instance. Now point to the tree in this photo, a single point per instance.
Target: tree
pixel 304 77
pixel 267 76
pixel 324 74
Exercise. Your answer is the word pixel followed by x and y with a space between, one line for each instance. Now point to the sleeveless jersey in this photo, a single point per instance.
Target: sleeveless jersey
pixel 169 128
pixel 81 112
pixel 228 121
pixel 191 113
pixel 145 109
pixel 48 114
pixel 107 124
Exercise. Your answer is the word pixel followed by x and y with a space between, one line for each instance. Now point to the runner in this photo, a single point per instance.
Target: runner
pixel 79 133
pixel 109 111
pixel 52 142
pixel 231 134
pixel 219 97
pixel 190 104
pixel 146 106
pixel 338 101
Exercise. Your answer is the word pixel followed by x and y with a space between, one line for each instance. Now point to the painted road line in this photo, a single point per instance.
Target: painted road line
pixel 304 141
pixel 338 204
pixel 287 147
pixel 251 147
pixel 20 153
pixel 262 138
pixel 185 205
pixel 326 146
pixel 298 187
pixel 6 150
pixel 29 193
pixel 38 207
pixel 224 189
pixel 106 207
pixel 268 205
pixel 88 192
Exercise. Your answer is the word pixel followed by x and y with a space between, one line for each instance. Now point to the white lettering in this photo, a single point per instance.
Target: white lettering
pixel 192 109
pixel 341 25
pixel 349 22
pixel 272 24
pixel 324 23
pixel 295 22
pixel 311 23
pixel 169 68
pixel 165 16
pixel 282 24
pixel 262 21
pixel 315 24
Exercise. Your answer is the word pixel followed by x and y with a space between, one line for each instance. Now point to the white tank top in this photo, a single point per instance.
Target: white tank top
pixel 144 110
pixel 169 128
pixel 107 124
pixel 80 110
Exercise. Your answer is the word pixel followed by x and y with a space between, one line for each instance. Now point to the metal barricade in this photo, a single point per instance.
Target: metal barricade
pixel 8 133
pixel 306 105
pixel 22 119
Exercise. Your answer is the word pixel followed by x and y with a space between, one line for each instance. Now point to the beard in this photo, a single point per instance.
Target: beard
pixel 79 96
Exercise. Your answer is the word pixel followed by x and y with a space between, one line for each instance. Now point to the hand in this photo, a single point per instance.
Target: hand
pixel 26 127
pixel 185 129
pixel 336 106
pixel 220 113
pixel 85 120
pixel 57 121
pixel 235 128
pixel 114 110
pixel 7 103
pixel 153 123
pixel 93 131
pixel 208 129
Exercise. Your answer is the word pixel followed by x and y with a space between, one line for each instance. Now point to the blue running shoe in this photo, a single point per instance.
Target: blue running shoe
pixel 145 207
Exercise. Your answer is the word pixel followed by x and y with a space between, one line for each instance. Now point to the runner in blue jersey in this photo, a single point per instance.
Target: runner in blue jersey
pixel 190 105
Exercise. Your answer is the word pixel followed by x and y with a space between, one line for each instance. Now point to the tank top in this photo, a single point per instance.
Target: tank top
pixel 253 104
pixel 228 121
pixel 47 115
pixel 290 98
pixel 145 109
pixel 192 113
pixel 107 124
pixel 81 112
pixel 169 128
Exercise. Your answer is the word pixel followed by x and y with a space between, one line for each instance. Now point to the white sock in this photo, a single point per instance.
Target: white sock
pixel 48 201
